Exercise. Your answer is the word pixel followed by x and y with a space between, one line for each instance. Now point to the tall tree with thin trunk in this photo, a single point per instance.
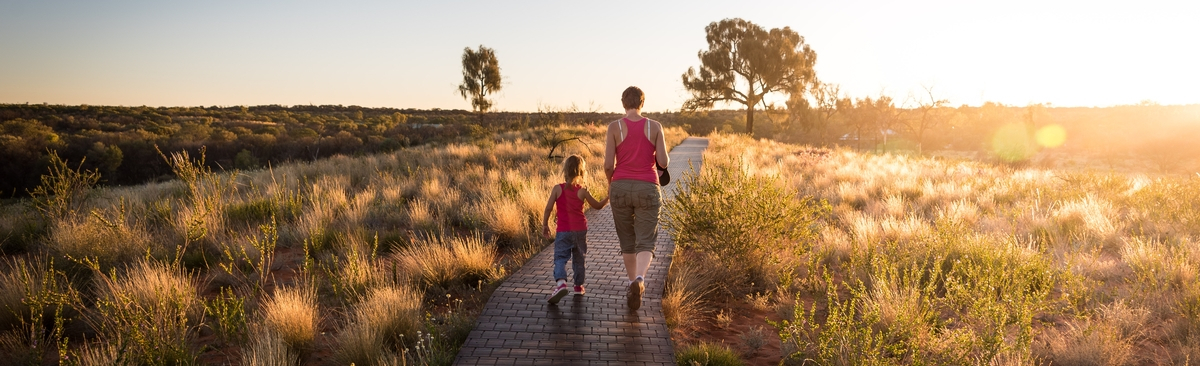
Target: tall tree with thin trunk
pixel 829 101
pixel 745 62
pixel 930 113
pixel 481 77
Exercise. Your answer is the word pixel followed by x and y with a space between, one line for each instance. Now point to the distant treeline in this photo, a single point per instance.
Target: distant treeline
pixel 123 143
pixel 120 142
pixel 1167 135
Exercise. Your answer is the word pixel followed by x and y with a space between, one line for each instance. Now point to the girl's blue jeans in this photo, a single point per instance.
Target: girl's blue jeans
pixel 570 245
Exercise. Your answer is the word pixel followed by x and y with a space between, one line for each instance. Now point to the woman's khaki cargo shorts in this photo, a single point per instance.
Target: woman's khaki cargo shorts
pixel 635 208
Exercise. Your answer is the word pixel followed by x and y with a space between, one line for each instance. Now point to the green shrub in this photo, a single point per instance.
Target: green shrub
pixel 741 220
pixel 64 190
pixel 21 230
pixel 253 212
pixel 707 354
pixel 150 312
pixel 228 313
pixel 107 240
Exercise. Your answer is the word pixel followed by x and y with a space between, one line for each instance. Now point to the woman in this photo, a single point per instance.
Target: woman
pixel 633 146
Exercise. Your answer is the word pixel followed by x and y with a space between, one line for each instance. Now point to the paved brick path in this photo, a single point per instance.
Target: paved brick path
pixel 518 326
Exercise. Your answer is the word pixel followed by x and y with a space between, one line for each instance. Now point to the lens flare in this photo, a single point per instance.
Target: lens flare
pixel 1051 136
pixel 1012 143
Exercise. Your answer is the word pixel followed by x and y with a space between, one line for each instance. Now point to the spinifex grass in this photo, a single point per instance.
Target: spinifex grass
pixel 926 261
pixel 247 241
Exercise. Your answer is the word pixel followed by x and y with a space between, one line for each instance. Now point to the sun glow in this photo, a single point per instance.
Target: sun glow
pixel 1051 136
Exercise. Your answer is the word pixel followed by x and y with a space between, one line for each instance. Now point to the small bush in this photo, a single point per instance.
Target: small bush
pixel 21 230
pixel 107 240
pixel 228 313
pixel 754 338
pixel 707 354
pixel 150 311
pixel 741 219
pixel 63 191
pixel 350 272
pixel 18 279
pixel 251 213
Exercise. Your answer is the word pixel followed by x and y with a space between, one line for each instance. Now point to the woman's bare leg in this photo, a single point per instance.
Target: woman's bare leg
pixel 631 265
pixel 643 262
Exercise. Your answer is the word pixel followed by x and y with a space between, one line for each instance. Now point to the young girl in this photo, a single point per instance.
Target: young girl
pixel 570 242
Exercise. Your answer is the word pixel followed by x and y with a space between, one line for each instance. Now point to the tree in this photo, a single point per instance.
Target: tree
pixel 481 77
pixel 886 117
pixel 930 113
pixel 828 104
pixel 745 62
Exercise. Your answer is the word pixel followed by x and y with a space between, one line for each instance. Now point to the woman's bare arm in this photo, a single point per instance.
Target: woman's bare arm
pixel 610 149
pixel 664 159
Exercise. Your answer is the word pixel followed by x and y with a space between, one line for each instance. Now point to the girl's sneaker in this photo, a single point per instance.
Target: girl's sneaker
pixel 579 290
pixel 559 292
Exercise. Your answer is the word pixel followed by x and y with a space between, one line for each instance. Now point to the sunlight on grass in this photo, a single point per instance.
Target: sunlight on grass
pixel 942 261
pixel 292 314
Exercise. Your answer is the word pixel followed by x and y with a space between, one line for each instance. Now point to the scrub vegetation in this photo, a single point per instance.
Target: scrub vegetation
pixel 374 260
pixel 893 259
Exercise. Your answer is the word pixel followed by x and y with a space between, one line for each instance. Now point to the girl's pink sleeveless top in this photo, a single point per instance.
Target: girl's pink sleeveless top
pixel 635 154
pixel 570 209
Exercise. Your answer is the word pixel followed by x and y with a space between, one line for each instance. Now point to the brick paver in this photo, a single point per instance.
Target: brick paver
pixel 518 326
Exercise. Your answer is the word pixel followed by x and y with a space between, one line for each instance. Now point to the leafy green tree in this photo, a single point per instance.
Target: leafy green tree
pixel 481 77
pixel 245 160
pixel 745 62
pixel 106 159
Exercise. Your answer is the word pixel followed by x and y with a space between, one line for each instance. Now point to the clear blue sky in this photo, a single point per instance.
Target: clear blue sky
pixel 555 53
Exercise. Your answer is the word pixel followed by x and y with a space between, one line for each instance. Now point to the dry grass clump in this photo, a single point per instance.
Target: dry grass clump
pixel 18 279
pixel 267 348
pixel 292 315
pixel 107 240
pixel 446 262
pixel 707 354
pixel 380 324
pixel 21 229
pixel 506 218
pixel 99 354
pixel 420 215
pixel 1088 343
pixel 684 301
pixel 150 310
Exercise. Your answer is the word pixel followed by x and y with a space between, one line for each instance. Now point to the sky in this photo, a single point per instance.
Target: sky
pixel 564 54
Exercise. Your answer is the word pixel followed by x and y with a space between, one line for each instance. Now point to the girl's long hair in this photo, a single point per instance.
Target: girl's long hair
pixel 574 169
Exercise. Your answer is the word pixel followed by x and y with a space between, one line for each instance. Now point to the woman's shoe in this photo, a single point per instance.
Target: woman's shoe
pixel 636 287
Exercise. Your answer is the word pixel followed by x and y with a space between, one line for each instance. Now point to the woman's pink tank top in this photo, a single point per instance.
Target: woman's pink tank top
pixel 635 154
pixel 570 209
